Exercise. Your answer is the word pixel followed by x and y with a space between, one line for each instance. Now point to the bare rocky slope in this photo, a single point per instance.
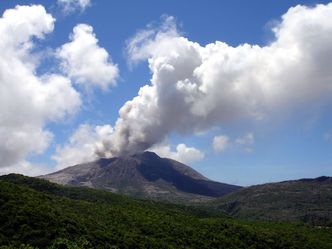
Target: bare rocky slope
pixel 144 175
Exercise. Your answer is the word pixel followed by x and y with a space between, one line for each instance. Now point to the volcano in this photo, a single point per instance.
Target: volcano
pixel 143 175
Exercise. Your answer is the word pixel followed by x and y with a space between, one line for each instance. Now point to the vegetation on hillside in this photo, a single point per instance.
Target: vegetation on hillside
pixel 305 200
pixel 37 214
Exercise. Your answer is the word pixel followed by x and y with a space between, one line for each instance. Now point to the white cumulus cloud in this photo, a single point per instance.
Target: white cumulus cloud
pixel 28 100
pixel 182 154
pixel 246 142
pixel 83 145
pixel 69 6
pixel 220 143
pixel 26 168
pixel 85 61
pixel 247 139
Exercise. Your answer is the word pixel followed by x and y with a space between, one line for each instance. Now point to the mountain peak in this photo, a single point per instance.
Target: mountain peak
pixel 144 175
pixel 147 153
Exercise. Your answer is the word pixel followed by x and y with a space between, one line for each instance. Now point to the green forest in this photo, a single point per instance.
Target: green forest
pixel 35 213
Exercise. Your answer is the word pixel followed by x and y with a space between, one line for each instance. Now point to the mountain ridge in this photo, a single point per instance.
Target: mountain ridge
pixel 306 200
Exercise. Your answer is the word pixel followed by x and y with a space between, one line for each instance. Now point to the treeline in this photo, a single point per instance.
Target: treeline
pixel 37 214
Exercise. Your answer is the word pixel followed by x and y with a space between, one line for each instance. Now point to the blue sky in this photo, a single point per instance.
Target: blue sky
pixel 290 136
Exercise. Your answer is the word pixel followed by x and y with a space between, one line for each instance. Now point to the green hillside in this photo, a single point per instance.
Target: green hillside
pixel 305 200
pixel 39 214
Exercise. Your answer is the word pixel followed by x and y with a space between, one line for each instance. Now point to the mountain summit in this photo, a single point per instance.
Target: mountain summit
pixel 143 175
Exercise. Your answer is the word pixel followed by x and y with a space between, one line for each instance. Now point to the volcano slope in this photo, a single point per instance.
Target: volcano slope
pixel 144 175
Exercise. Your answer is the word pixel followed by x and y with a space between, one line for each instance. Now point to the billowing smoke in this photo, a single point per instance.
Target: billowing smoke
pixel 195 87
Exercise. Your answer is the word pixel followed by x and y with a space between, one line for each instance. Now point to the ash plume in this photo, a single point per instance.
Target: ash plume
pixel 195 87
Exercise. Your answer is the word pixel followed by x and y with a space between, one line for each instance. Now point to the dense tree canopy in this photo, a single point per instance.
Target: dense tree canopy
pixel 37 214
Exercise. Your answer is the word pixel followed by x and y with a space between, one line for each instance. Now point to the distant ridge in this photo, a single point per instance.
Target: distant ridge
pixel 306 200
pixel 143 175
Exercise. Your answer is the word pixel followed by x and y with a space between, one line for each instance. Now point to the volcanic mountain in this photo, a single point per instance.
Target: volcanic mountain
pixel 144 175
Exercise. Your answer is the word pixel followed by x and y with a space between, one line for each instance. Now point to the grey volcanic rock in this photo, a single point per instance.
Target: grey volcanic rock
pixel 143 175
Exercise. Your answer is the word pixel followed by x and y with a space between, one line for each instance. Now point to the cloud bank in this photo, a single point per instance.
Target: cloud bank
pixel 28 100
pixel 195 87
